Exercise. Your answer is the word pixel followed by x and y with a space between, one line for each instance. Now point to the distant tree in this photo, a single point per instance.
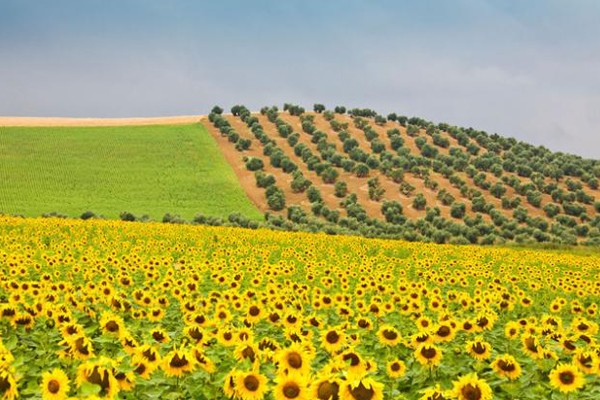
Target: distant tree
pixel 392 212
pixel 458 210
pixel 340 110
pixel 217 110
pixel 361 170
pixel 319 108
pixel 419 202
pixel 254 164
pixel 551 210
pixel 329 175
pixel 341 189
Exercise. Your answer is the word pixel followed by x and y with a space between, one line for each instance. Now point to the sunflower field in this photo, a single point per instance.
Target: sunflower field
pixel 111 309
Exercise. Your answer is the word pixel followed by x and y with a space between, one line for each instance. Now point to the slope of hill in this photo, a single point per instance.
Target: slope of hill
pixel 406 177
pixel 152 170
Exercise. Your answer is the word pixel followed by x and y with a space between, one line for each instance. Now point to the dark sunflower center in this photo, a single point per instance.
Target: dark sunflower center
pixel 112 326
pixel 328 391
pixel 566 377
pixel 506 366
pixel 291 390
pixel 81 346
pixel 428 352
pixel 354 359
pixel 5 384
pixel 248 353
pixel 295 360
pixel 292 319
pixel 471 392
pixel 362 393
pixel 586 361
pixel 467 325
pixel 149 355
pixel 390 334
pixel 443 331
pixel 530 344
pixel 251 383
pixel 478 348
pixel 178 362
pixel 254 311
pixel 582 327
pixel 100 379
pixel 53 386
pixel 227 336
pixel 141 368
pixel 332 337
pixel 395 367
pixel 158 336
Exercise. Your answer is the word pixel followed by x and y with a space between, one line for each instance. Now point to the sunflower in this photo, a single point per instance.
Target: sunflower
pixel 443 332
pixel 55 385
pixel 362 389
pixel 112 324
pixel 428 355
pixel 507 366
pixel 291 387
pixel 333 339
pixel 479 349
pixel 435 393
pixel 532 347
pixel 229 384
pixel 293 360
pixel 246 351
pixel 250 385
pixel 566 378
pixel 126 379
pixel 160 335
pixel 396 368
pixel 470 387
pixel 8 385
pixel 389 335
pixel 99 373
pixel 586 361
pixel 178 362
pixel 351 362
pixel 326 388
pixel 204 362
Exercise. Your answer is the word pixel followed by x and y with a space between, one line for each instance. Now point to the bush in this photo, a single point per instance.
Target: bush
pixel 376 192
pixel 458 210
pixel 88 215
pixel 361 170
pixel 319 108
pixel 419 202
pixel 314 194
pixel 392 211
pixel 551 210
pixel 276 199
pixel 329 175
pixel 172 219
pixel 254 164
pixel 341 189
pixel 127 216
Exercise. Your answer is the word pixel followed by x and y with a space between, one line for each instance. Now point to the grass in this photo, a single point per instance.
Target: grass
pixel 151 170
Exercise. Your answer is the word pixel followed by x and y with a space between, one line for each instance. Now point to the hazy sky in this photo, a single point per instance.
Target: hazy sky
pixel 527 69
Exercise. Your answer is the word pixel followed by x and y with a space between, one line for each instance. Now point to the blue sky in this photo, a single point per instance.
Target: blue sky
pixel 527 69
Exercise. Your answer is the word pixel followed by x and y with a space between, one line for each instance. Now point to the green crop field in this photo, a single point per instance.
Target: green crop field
pixel 152 170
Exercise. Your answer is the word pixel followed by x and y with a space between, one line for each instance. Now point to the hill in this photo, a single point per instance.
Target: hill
pixel 355 170
pixel 154 170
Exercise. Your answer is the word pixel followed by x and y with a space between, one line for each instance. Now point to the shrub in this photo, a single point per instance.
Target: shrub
pixel 275 198
pixel 551 210
pixel 127 216
pixel 329 175
pixel 254 164
pixel 88 215
pixel 419 202
pixel 361 170
pixel 376 192
pixel 314 194
pixel 341 189
pixel 458 210
pixel 319 108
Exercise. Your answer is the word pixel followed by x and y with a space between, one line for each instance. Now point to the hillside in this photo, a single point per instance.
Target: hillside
pixel 355 170
pixel 152 170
